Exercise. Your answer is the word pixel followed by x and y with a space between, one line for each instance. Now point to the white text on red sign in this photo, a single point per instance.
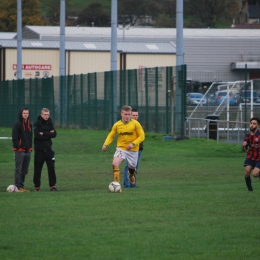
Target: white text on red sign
pixel 33 67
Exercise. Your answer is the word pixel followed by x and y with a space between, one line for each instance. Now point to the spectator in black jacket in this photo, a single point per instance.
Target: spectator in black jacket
pixel 22 146
pixel 43 133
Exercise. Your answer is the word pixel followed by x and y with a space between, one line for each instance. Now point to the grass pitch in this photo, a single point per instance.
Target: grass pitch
pixel 192 203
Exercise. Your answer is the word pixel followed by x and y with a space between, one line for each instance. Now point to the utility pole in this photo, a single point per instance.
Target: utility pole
pixel 62 105
pixel 114 55
pixel 19 40
pixel 179 118
pixel 179 31
pixel 62 38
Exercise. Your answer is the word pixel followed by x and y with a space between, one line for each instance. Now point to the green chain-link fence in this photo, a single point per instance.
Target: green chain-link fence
pixel 87 102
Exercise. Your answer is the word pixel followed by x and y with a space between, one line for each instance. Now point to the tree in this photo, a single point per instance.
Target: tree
pixel 210 12
pixel 94 13
pixel 167 7
pixel 30 14
pixel 130 11
pixel 54 12
pixel 253 2
pixel 163 12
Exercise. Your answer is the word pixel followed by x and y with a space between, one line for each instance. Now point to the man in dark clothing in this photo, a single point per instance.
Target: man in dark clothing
pixel 22 146
pixel 251 144
pixel 43 133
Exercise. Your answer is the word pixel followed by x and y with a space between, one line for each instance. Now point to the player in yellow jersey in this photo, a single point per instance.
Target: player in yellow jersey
pixel 130 135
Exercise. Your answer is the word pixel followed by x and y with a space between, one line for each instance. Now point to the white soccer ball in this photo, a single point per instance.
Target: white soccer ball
pixel 114 186
pixel 12 188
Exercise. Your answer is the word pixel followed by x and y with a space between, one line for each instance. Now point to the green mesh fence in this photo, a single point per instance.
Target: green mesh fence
pixel 32 93
pixel 87 101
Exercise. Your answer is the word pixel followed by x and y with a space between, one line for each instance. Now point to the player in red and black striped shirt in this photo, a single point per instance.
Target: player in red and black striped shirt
pixel 252 161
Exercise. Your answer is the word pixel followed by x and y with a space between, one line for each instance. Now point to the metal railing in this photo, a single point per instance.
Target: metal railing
pixel 219 130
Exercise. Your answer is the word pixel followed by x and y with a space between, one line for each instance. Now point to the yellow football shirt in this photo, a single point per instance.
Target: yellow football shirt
pixel 131 132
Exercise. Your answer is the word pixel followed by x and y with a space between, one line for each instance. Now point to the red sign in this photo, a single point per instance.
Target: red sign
pixel 33 67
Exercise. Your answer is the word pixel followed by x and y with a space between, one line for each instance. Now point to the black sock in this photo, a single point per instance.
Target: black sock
pixel 132 171
pixel 248 183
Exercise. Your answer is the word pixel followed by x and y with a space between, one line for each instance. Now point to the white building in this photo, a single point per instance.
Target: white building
pixel 210 54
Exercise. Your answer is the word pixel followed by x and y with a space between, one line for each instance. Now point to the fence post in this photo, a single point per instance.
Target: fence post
pixel 168 98
pixel 156 99
pixel 180 103
pixel 245 94
pixel 146 100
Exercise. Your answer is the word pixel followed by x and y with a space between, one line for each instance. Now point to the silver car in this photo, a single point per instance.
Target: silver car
pixel 193 99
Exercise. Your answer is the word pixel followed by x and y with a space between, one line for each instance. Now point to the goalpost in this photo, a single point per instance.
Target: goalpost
pixel 247 111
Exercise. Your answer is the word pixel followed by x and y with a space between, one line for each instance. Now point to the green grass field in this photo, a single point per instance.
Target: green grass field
pixel 192 203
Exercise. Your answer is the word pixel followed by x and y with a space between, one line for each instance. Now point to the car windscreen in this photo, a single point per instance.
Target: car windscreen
pixel 196 96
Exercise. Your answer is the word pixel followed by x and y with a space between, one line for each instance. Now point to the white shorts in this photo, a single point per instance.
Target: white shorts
pixel 130 157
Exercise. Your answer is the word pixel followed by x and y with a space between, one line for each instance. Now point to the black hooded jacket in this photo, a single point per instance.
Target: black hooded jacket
pixel 22 134
pixel 43 142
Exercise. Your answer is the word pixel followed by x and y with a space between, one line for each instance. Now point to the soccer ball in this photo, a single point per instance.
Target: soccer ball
pixel 114 187
pixel 12 188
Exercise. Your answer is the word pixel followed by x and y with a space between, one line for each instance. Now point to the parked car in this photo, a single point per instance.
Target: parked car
pixel 194 99
pixel 235 89
pixel 212 100
pixel 246 96
pixel 222 96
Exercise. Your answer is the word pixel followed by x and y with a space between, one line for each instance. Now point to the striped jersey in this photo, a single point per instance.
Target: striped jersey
pixel 131 132
pixel 253 142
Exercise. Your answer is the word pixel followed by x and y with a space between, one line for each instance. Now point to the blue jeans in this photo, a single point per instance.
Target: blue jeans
pixel 126 177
